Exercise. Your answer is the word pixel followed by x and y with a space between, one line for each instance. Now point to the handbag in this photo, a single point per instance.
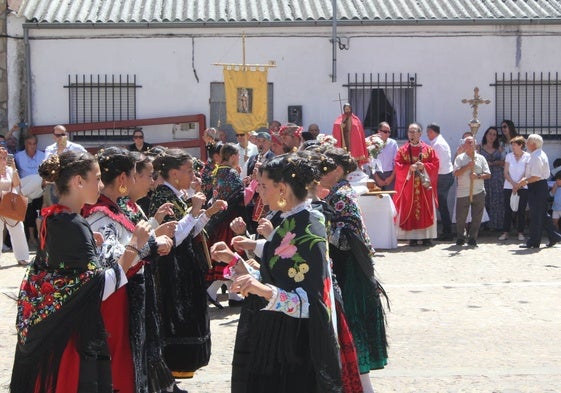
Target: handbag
pixel 13 206
pixel 514 199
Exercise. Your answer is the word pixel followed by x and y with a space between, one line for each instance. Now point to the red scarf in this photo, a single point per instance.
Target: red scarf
pixel 109 208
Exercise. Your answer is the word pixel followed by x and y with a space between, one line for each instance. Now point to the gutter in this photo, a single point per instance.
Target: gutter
pixel 334 43
pixel 29 101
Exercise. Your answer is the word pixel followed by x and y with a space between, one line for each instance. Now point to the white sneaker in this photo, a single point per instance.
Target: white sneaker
pixel 521 237
pixel 504 236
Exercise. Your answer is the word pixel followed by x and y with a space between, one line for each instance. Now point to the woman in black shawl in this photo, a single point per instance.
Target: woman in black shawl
pixel 62 344
pixel 185 324
pixel 353 265
pixel 293 346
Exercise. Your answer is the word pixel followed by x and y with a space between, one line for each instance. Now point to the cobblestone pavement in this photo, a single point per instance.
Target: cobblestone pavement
pixel 462 319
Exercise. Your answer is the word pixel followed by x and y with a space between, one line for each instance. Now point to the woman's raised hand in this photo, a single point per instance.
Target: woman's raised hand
pixel 140 234
pixel 167 229
pixel 163 211
pixel 238 226
pixel 221 252
pixel 264 227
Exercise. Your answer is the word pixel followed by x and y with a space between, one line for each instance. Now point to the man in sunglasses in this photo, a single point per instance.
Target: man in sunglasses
pixel 62 143
pixel 139 145
pixel 385 176
pixel 246 149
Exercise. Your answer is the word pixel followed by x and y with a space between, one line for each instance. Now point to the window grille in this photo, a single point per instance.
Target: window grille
pixel 102 98
pixel 218 107
pixel 384 97
pixel 531 101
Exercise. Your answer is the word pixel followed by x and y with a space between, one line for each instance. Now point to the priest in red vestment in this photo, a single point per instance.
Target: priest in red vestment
pixel 349 133
pixel 416 168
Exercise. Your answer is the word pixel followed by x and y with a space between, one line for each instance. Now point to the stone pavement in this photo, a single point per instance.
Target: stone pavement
pixel 462 319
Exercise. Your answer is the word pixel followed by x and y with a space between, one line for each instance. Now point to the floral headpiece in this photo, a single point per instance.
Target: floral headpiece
pixel 326 140
pixel 292 130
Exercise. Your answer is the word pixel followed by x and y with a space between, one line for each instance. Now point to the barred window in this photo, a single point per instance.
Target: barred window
pixel 531 101
pixel 384 97
pixel 102 98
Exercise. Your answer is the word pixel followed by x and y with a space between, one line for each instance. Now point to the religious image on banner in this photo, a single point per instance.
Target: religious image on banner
pixel 245 100
pixel 246 97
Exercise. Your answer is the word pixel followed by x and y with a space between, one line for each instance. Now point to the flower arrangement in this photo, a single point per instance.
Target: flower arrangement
pixel 375 145
pixel 326 140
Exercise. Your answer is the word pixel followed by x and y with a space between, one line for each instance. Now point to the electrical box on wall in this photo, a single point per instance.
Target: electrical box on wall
pixel 186 130
pixel 295 114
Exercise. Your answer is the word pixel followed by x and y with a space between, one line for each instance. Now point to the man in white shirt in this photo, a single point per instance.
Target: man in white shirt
pixel 470 168
pixel 385 179
pixel 62 143
pixel 537 173
pixel 27 162
pixel 445 177
pixel 246 149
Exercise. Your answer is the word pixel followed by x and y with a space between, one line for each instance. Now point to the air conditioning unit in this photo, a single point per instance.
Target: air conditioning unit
pixel 184 131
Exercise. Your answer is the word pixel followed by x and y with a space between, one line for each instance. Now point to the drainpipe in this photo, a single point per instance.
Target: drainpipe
pixel 29 109
pixel 334 43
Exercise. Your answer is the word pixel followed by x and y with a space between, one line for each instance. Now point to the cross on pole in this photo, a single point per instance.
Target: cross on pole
pixel 474 103
pixel 474 123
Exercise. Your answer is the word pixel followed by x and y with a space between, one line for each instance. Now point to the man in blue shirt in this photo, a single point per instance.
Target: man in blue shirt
pixel 27 162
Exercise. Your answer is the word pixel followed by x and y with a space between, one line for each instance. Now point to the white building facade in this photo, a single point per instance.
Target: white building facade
pixel 407 69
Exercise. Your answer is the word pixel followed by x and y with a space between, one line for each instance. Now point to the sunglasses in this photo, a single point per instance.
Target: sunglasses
pixel 58 135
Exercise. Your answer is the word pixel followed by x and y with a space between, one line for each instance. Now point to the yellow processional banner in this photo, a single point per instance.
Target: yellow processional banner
pixel 246 98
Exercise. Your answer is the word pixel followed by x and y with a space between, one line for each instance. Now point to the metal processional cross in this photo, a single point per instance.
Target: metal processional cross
pixel 474 123
pixel 474 103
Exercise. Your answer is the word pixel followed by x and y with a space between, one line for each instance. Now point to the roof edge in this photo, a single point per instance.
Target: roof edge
pixel 307 23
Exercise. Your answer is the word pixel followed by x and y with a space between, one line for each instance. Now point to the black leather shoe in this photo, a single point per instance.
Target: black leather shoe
pixel 551 244
pixel 472 242
pixel 215 303
pixel 460 242
pixel 529 246
pixel 427 242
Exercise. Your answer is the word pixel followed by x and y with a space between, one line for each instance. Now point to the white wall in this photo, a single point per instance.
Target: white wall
pixel 448 60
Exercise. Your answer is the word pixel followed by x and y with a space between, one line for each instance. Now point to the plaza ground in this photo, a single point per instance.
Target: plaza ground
pixel 462 319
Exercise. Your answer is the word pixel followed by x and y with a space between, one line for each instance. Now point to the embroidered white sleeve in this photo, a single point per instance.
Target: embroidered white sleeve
pixel 259 245
pixel 294 304
pixel 202 220
pixel 153 223
pixel 184 227
pixel 111 281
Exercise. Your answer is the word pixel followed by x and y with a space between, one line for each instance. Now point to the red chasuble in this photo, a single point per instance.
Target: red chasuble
pixel 358 144
pixel 414 203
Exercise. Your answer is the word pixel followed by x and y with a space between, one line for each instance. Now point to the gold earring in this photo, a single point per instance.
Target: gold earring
pixel 281 202
pixel 176 181
pixel 123 189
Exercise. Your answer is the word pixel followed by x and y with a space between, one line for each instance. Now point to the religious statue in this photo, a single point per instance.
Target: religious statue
pixel 348 131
